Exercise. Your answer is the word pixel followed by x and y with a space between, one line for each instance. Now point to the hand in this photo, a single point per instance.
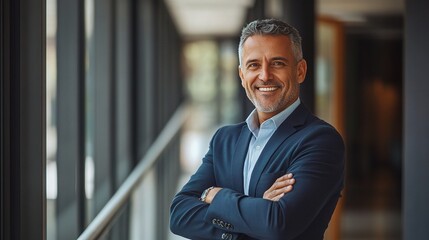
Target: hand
pixel 212 193
pixel 280 187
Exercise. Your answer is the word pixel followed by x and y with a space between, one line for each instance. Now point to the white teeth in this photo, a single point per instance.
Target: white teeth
pixel 267 89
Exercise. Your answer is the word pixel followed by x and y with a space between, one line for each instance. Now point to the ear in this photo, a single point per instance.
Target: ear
pixel 241 74
pixel 301 71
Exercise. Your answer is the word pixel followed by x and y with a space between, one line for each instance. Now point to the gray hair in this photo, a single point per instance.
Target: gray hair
pixel 271 27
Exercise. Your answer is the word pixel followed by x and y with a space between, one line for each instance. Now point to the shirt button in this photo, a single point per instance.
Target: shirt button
pixel 258 147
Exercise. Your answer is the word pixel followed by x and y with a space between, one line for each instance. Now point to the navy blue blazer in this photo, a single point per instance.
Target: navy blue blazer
pixel 304 145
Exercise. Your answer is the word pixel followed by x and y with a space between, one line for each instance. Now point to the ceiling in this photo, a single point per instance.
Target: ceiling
pixel 209 17
pixel 197 18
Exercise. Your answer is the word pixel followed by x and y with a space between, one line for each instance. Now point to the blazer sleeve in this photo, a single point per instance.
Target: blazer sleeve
pixel 187 211
pixel 317 163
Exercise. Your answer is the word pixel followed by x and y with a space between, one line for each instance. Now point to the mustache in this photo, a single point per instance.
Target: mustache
pixel 270 83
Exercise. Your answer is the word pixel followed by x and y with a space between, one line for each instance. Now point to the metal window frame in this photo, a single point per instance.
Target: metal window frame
pixel 23 119
pixel 70 203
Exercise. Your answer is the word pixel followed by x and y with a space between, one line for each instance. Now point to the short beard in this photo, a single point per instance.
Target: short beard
pixel 287 101
pixel 267 109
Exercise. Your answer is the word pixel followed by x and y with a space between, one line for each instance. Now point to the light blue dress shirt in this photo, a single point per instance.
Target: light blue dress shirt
pixel 260 137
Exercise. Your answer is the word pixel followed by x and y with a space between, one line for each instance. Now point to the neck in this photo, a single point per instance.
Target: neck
pixel 264 116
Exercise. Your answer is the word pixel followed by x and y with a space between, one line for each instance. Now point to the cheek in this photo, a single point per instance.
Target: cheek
pixel 291 80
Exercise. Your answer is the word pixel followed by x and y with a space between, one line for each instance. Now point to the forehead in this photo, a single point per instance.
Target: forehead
pixel 267 44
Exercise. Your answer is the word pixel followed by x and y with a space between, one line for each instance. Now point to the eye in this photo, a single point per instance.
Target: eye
pixel 278 64
pixel 253 65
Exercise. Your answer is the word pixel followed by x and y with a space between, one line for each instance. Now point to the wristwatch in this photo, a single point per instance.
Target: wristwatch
pixel 205 193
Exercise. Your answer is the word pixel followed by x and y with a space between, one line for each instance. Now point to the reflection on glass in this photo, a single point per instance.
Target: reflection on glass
pixel 325 72
pixel 51 125
pixel 51 129
pixel 89 108
pixel 202 64
pixel 229 83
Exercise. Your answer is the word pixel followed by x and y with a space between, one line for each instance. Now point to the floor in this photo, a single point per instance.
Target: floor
pixel 373 208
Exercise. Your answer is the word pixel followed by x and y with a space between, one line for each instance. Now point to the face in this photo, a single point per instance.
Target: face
pixel 270 74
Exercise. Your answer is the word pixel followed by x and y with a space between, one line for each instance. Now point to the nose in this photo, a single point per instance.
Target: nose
pixel 265 73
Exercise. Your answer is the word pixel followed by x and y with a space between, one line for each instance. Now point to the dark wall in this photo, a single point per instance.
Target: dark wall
pixel 304 23
pixel 416 127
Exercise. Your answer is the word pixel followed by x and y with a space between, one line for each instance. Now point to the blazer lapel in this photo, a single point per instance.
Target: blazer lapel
pixel 239 157
pixel 286 129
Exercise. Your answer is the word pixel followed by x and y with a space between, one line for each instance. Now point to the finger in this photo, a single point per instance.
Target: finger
pixel 282 184
pixel 285 177
pixel 278 193
pixel 287 189
pixel 282 179
pixel 270 194
pixel 277 198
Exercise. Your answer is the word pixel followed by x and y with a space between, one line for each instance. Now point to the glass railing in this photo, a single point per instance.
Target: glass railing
pixel 148 190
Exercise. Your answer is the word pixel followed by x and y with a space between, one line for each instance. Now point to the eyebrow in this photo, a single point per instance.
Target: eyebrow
pixel 251 61
pixel 280 58
pixel 273 59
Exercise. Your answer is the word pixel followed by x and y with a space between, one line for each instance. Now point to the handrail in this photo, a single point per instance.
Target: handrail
pixel 103 218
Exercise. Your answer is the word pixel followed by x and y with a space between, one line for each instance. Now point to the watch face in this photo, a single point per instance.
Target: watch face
pixel 204 194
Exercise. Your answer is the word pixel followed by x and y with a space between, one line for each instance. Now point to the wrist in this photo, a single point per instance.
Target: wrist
pixel 211 194
pixel 205 194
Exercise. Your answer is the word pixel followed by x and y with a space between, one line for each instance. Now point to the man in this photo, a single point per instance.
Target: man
pixel 243 188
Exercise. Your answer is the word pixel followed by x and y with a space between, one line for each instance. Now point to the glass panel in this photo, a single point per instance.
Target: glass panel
pixel 325 72
pixel 89 109
pixel 201 59
pixel 51 130
pixel 229 83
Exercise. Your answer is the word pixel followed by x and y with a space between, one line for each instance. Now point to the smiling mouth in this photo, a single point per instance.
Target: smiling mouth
pixel 267 89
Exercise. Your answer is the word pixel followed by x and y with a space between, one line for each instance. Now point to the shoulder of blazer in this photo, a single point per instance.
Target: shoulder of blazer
pixel 300 116
pixel 230 131
pixel 231 128
pixel 302 119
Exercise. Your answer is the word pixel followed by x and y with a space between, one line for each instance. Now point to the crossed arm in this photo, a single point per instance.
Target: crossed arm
pixel 280 187
pixel 192 225
pixel 280 212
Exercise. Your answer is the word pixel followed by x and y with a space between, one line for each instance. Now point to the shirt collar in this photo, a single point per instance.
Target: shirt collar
pixel 275 121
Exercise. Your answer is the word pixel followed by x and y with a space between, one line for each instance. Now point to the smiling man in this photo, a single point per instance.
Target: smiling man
pixel 271 73
pixel 279 174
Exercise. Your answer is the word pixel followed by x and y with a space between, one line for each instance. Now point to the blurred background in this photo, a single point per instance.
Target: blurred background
pixel 136 88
